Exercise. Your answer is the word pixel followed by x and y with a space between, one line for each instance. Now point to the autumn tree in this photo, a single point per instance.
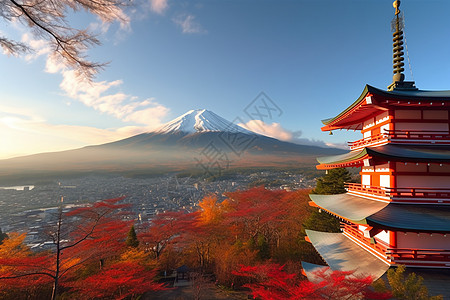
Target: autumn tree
pixel 269 281
pixel 118 281
pixel 125 276
pixel 200 285
pixel 207 231
pixel 229 258
pixel 83 235
pixel 14 248
pixel 166 228
pixel 257 214
pixel 48 20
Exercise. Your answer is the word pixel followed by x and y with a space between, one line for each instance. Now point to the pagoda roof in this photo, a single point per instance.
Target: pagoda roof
pixel 342 254
pixel 353 208
pixel 421 218
pixel 407 217
pixel 373 99
pixel 413 153
pixel 311 269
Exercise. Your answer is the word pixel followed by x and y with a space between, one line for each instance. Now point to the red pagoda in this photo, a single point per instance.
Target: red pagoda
pixel 400 212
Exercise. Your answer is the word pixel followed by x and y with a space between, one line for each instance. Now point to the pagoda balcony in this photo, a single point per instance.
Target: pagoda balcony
pixel 408 256
pixel 375 140
pixel 370 244
pixel 366 189
pixel 403 194
pixel 419 257
pixel 403 137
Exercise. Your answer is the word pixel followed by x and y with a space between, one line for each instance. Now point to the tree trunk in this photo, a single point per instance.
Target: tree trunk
pixel 58 252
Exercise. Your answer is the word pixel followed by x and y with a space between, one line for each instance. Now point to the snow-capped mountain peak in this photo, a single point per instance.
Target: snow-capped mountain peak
pixel 200 120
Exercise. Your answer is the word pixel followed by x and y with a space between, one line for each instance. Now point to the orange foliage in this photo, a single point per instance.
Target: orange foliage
pixel 210 209
pixel 13 246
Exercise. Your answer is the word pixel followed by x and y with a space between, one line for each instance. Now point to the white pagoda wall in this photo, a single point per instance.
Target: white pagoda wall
pixel 417 120
pixel 383 236
pixel 374 125
pixel 423 241
pixel 422 126
pixel 423 181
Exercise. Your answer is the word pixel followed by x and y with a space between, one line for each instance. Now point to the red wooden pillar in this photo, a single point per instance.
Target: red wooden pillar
pixel 393 239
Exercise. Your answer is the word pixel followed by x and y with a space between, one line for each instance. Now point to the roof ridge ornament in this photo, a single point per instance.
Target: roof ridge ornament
pixel 398 78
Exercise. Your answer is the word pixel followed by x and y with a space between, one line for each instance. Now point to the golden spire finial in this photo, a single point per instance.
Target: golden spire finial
pixel 398 46
pixel 398 77
pixel 396 5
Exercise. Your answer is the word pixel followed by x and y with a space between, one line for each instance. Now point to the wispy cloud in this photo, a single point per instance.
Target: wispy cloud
pixel 159 6
pixel 25 133
pixel 39 47
pixel 104 97
pixel 276 131
pixel 188 24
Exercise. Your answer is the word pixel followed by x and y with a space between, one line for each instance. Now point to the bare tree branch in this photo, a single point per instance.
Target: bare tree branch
pixel 48 20
pixel 27 274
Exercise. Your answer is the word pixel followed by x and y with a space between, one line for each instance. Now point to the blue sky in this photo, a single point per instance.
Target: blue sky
pixel 311 57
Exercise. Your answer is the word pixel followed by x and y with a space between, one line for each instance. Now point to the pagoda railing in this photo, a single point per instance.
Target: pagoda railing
pixel 371 140
pixel 403 136
pixel 400 192
pixel 425 255
pixel 443 193
pixel 400 255
pixel 366 189
pixel 419 134
pixel 353 231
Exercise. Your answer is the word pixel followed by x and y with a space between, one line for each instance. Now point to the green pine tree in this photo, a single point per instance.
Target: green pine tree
pixel 132 240
pixel 263 247
pixel 2 236
pixel 322 221
pixel 333 182
pixel 329 184
pixel 409 288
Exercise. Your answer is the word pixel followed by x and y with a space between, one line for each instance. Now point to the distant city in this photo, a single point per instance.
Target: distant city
pixel 32 208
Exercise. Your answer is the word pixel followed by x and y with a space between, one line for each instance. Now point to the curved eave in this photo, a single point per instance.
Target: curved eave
pixel 415 218
pixel 342 254
pixel 414 95
pixel 349 207
pixel 353 116
pixel 414 153
pixel 406 153
pixel 350 159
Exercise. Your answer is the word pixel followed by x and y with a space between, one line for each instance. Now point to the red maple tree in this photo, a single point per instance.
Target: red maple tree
pixel 269 282
pixel 81 236
pixel 118 281
pixel 166 228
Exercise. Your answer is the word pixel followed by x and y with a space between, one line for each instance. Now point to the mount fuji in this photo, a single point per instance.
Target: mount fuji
pixel 198 121
pixel 178 145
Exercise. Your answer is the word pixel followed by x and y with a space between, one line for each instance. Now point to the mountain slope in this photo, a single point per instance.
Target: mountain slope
pixel 194 138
